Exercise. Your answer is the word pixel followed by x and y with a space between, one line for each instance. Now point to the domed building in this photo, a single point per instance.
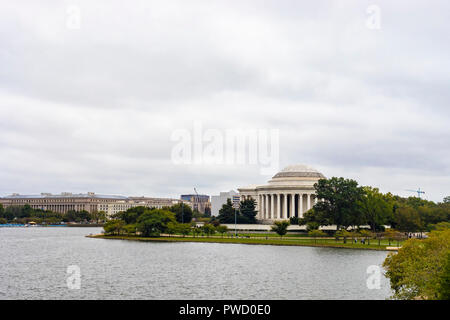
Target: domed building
pixel 289 193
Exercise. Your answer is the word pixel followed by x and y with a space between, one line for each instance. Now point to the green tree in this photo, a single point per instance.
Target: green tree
pixel 316 234
pixel 344 234
pixel 366 234
pixel 441 226
pixel 183 212
pixel 222 230
pixel 444 288
pixel 196 230
pixel 374 208
pixel 226 213
pixel 280 227
pixel 98 216
pixel 247 210
pixel 312 225
pixel 420 268
pixel 153 222
pixel 131 215
pixel 113 227
pixel 208 229
pixel 339 198
pixel 407 219
pixel 184 229
pixel 130 229
pixel 312 217
pixel 173 228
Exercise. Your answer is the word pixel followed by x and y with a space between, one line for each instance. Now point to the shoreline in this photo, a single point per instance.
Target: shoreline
pixel 279 242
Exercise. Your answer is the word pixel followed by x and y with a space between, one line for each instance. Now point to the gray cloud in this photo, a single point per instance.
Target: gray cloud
pixel 94 108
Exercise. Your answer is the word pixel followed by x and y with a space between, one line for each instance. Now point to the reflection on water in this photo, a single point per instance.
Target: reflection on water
pixel 34 264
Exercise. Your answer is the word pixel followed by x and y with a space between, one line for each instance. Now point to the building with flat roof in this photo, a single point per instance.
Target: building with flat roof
pixel 90 202
pixel 218 201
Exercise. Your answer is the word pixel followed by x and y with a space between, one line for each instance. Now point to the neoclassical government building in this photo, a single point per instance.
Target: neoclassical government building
pixel 289 193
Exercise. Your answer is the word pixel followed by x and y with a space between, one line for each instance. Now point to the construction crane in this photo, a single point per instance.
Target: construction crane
pixel 197 200
pixel 419 192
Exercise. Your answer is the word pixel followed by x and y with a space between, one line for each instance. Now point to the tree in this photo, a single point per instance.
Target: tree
pixel 446 199
pixel 339 198
pixel 316 234
pixel 247 210
pixel 98 216
pixel 344 234
pixel 280 227
pixel 366 234
pixel 312 226
pixel 172 228
pixel 183 212
pixel 441 226
pixel 154 222
pixel 375 210
pixel 226 213
pixel 184 228
pixel 208 229
pixel 312 217
pixel 294 220
pixel 407 219
pixel 130 229
pixel 131 215
pixel 196 230
pixel 420 268
pixel 113 227
pixel 222 230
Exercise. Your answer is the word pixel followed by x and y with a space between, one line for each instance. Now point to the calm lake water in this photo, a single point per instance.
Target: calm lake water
pixel 34 262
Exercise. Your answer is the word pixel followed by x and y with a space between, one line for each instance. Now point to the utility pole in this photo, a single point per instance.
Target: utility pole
pixel 235 231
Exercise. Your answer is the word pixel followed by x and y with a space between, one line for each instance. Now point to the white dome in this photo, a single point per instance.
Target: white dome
pixel 300 171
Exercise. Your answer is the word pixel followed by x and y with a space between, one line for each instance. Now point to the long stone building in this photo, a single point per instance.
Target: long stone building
pixel 289 193
pixel 90 202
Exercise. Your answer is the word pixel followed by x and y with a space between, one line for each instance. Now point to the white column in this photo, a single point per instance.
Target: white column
pixel 285 206
pixel 272 216
pixel 292 204
pixel 261 207
pixel 309 202
pixel 300 207
pixel 266 206
pixel 279 206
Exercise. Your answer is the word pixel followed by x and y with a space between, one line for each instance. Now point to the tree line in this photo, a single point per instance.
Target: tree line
pixel 346 204
pixel 25 214
pixel 152 222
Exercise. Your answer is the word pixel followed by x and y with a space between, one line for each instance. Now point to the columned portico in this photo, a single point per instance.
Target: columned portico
pixel 290 193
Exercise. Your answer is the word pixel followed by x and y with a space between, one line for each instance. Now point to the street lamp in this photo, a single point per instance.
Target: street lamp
pixel 235 231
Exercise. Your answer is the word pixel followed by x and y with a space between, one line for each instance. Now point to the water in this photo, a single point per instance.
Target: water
pixel 34 262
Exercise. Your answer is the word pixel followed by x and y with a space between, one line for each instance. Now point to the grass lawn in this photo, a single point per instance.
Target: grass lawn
pixel 273 240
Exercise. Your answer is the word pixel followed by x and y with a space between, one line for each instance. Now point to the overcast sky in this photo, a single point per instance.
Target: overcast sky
pixel 92 106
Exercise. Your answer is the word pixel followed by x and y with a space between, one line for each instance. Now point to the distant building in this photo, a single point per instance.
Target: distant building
pixel 199 202
pixel 114 207
pixel 90 202
pixel 218 201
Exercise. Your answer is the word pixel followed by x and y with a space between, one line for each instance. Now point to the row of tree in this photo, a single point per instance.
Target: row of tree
pixel 25 214
pixel 245 214
pixel 151 222
pixel 346 204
